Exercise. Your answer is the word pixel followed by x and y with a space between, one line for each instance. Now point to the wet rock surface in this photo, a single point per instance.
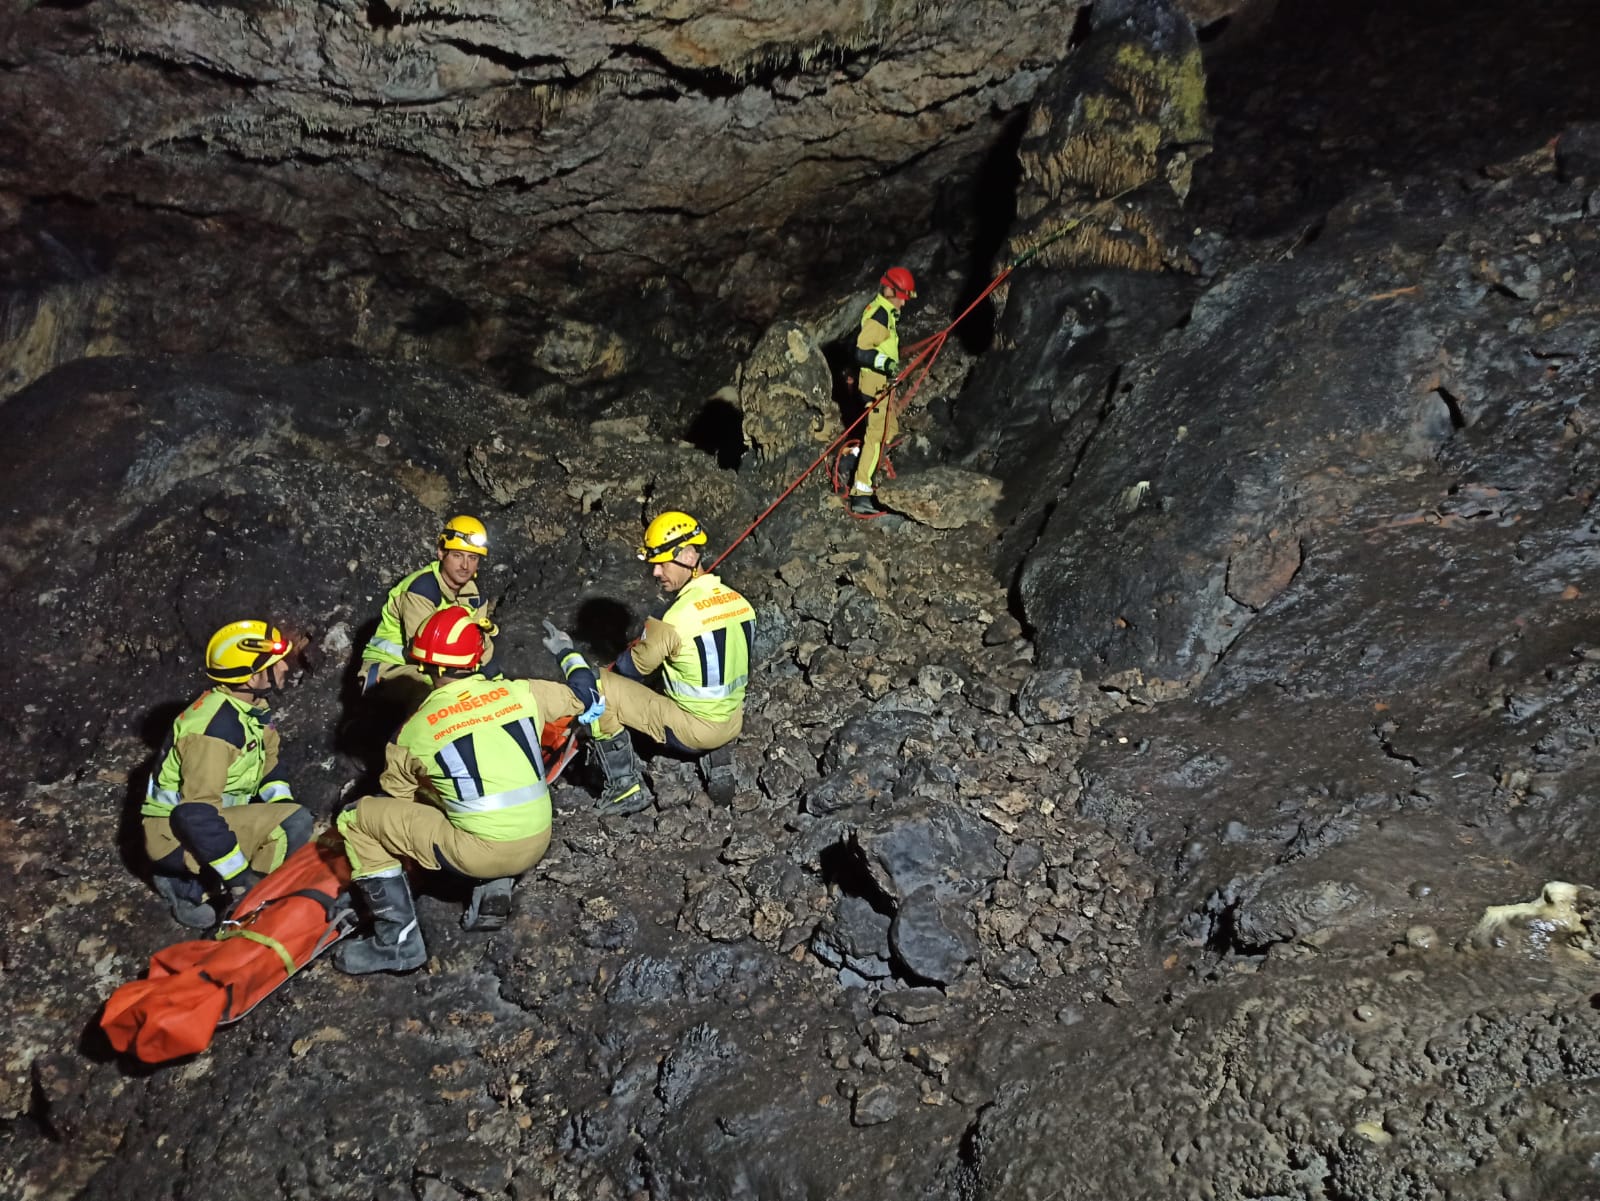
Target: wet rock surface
pixel 479 182
pixel 1163 875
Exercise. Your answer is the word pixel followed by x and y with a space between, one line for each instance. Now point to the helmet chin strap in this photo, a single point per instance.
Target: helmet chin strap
pixel 272 688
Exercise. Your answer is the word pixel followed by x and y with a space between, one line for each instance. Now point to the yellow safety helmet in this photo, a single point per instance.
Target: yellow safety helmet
pixel 464 533
pixel 241 648
pixel 664 535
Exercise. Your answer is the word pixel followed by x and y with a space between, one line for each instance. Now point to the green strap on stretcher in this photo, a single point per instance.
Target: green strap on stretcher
pixel 265 940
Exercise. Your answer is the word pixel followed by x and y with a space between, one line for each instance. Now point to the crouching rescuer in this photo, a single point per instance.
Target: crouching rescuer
pixel 217 816
pixel 464 791
pixel 700 644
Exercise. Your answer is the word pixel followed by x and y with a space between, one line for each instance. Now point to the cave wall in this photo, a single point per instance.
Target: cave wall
pixel 437 179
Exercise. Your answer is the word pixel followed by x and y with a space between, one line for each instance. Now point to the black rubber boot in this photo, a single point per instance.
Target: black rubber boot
pixel 186 898
pixel 716 769
pixel 865 504
pixel 625 789
pixel 395 944
pixel 491 905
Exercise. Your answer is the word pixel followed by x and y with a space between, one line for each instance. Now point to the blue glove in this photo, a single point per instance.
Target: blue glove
pixel 580 678
pixel 556 641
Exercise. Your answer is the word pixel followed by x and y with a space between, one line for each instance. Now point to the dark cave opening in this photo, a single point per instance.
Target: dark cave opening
pixel 1452 406
pixel 381 16
pixel 989 205
pixel 604 625
pixel 718 430
pixel 436 312
pixel 844 868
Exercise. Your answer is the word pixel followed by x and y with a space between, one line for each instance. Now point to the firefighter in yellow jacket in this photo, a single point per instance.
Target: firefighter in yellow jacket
pixel 463 790
pixel 878 362
pixel 451 579
pixel 216 810
pixel 700 644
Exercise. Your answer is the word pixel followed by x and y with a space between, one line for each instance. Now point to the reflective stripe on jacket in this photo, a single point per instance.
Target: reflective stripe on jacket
pixel 706 673
pixel 218 752
pixel 477 741
pixel 392 637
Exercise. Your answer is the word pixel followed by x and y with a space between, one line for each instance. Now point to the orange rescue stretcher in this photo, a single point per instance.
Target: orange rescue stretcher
pixel 284 922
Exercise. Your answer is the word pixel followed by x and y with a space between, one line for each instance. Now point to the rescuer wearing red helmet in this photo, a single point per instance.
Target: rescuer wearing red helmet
pixel 878 360
pixel 216 811
pixel 463 790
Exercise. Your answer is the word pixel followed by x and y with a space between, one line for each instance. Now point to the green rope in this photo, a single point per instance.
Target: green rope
pixel 289 965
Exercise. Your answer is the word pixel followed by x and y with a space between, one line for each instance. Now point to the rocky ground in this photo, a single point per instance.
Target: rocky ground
pixel 1166 807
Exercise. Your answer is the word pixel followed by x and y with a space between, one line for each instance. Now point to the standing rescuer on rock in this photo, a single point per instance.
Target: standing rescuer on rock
pixel 449 580
pixel 222 755
pixel 701 645
pixel 464 790
pixel 878 360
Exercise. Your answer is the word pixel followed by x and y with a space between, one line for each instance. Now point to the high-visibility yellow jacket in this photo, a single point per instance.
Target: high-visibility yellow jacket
pixel 221 752
pixel 407 608
pixel 880 331
pixel 702 646
pixel 218 753
pixel 472 749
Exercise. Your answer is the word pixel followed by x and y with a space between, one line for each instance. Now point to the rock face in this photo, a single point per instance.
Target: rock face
pixel 946 498
pixel 1128 110
pixel 786 406
pixel 1172 831
pixel 457 179
pixel 1212 467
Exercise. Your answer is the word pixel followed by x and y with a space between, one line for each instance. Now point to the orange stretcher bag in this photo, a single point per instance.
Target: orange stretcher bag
pixel 284 922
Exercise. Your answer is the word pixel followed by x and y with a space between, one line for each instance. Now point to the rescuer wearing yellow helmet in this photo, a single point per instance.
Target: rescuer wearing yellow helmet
pixel 878 361
pixel 701 646
pixel 463 790
pixel 216 811
pixel 463 544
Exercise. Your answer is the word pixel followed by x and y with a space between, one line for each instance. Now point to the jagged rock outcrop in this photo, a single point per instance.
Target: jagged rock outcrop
pixel 1127 111
pixel 455 180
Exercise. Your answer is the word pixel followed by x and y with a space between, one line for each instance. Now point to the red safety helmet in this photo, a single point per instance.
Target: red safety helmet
pixel 452 637
pixel 899 280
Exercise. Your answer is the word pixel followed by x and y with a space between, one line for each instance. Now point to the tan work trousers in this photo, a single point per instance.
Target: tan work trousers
pixel 257 826
pixel 382 830
pixel 883 426
pixel 639 707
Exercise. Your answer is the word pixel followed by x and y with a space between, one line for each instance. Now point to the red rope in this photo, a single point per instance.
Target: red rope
pixel 923 355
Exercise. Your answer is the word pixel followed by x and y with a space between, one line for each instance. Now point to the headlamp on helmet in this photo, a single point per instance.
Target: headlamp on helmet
pixel 240 649
pixel 465 534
